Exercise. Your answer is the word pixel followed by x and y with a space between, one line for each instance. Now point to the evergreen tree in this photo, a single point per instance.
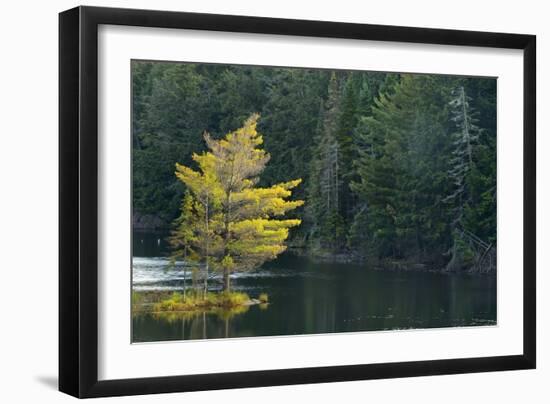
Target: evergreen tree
pixel 480 215
pixel 168 121
pixel 347 122
pixel 290 122
pixel 463 143
pixel 402 167
pixel 326 175
pixel 465 177
pixel 241 229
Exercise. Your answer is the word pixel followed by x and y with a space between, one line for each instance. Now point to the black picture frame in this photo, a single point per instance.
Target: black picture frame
pixel 78 201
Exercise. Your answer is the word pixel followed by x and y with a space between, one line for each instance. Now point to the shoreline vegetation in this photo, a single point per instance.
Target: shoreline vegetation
pixel 485 265
pixel 193 302
pixel 388 166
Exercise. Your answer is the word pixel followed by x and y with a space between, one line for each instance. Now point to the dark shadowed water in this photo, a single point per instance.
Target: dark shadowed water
pixel 308 297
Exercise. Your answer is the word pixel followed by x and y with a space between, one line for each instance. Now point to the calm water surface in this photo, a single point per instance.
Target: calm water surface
pixel 308 297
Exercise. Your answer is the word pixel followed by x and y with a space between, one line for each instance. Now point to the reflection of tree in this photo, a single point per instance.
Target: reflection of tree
pixel 200 318
pixel 221 313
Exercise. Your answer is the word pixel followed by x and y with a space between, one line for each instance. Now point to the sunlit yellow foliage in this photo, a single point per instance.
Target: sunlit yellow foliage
pixel 231 223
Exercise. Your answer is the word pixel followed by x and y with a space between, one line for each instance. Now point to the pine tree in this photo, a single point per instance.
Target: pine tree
pixel 463 140
pixel 290 118
pixel 169 112
pixel 345 132
pixel 242 225
pixel 462 167
pixel 480 216
pixel 324 190
pixel 364 99
pixel 401 167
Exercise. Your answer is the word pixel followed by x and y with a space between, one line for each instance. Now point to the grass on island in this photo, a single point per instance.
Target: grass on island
pixel 194 302
pixel 263 298
pixel 199 301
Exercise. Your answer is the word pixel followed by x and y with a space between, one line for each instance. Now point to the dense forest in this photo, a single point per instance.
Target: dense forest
pixel 396 168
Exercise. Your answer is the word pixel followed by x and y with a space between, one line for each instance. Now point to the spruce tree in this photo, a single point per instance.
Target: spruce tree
pixel 326 174
pixel 401 168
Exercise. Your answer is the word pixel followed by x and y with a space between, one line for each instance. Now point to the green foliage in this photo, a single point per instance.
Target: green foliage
pixel 290 121
pixel 333 231
pixel 324 188
pixel 168 117
pixel 380 156
pixel 407 160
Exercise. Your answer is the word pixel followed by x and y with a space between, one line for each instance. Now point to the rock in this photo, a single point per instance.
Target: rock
pixel 252 302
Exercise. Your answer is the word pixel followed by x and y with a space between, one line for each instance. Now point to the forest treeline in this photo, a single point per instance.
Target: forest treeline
pixel 395 167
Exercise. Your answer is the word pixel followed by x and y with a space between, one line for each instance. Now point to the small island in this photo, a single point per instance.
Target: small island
pixel 227 223
pixel 195 302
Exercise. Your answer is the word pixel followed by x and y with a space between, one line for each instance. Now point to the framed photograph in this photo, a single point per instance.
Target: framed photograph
pixel 251 201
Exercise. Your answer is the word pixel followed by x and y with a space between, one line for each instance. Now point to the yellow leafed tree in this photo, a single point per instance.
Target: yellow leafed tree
pixel 230 223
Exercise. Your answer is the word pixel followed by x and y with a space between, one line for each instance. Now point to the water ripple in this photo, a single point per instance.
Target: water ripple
pixel 158 273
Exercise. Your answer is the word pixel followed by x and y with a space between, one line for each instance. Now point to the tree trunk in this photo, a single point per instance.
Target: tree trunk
pixel 226 280
pixel 226 285
pixel 454 264
pixel 184 284
pixel 185 273
pixel 203 325
pixel 207 247
pixel 205 285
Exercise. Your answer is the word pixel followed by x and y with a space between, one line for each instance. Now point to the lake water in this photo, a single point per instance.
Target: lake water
pixel 308 297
